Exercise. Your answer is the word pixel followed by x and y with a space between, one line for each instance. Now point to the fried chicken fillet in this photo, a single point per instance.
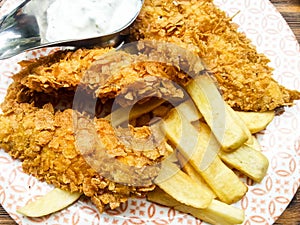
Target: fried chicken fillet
pixel 101 73
pixel 59 145
pixel 243 74
pixel 62 148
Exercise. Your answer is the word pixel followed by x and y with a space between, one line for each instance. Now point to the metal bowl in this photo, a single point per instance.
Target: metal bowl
pixel 20 31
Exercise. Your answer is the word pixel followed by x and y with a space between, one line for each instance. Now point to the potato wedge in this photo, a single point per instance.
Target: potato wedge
pixel 53 201
pixel 256 121
pixel 216 112
pixel 216 213
pixel 181 187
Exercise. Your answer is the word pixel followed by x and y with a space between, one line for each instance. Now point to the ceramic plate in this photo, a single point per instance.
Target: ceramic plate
pixel 263 203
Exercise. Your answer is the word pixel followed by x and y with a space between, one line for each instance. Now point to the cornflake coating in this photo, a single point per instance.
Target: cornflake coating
pixel 101 72
pixel 243 74
pixel 45 142
pixel 134 79
pixel 62 69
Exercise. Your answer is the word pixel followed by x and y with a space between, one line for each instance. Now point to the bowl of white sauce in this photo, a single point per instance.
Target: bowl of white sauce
pixel 78 23
pixel 82 19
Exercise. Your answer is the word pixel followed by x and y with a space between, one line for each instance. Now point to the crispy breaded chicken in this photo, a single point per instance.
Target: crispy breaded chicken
pixel 243 74
pixel 62 69
pixel 63 149
pixel 101 72
pixel 38 128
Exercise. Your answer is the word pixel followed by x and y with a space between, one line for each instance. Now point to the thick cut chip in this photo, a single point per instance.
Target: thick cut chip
pixel 224 182
pixel 253 143
pixel 248 160
pixel 53 201
pixel 201 148
pixel 216 113
pixel 256 121
pixel 181 133
pixel 181 187
pixel 189 110
pixel 122 115
pixel 189 169
pixel 240 122
pixel 216 213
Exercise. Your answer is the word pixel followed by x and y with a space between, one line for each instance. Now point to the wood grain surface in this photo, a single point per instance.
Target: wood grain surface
pixel 290 10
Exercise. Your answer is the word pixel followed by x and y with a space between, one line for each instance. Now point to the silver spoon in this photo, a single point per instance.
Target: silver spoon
pixel 22 30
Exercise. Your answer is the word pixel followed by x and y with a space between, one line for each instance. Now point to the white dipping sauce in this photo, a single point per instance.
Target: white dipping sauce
pixel 79 19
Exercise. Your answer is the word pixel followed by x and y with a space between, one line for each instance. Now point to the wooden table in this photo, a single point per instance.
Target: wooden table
pixel 290 10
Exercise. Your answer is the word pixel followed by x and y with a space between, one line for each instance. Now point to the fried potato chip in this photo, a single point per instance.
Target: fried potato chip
pixel 175 125
pixel 216 213
pixel 181 187
pixel 189 110
pixel 201 148
pixel 122 115
pixel 241 123
pixel 253 143
pixel 53 201
pixel 248 160
pixel 216 112
pixel 256 121
pixel 189 169
pixel 224 182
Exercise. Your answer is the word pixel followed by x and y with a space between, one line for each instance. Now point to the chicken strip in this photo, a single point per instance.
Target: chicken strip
pixel 103 73
pixel 76 153
pixel 243 74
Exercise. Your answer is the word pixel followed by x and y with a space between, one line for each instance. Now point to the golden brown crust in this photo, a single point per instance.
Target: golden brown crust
pixel 103 75
pixel 243 74
pixel 46 144
pixel 63 69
